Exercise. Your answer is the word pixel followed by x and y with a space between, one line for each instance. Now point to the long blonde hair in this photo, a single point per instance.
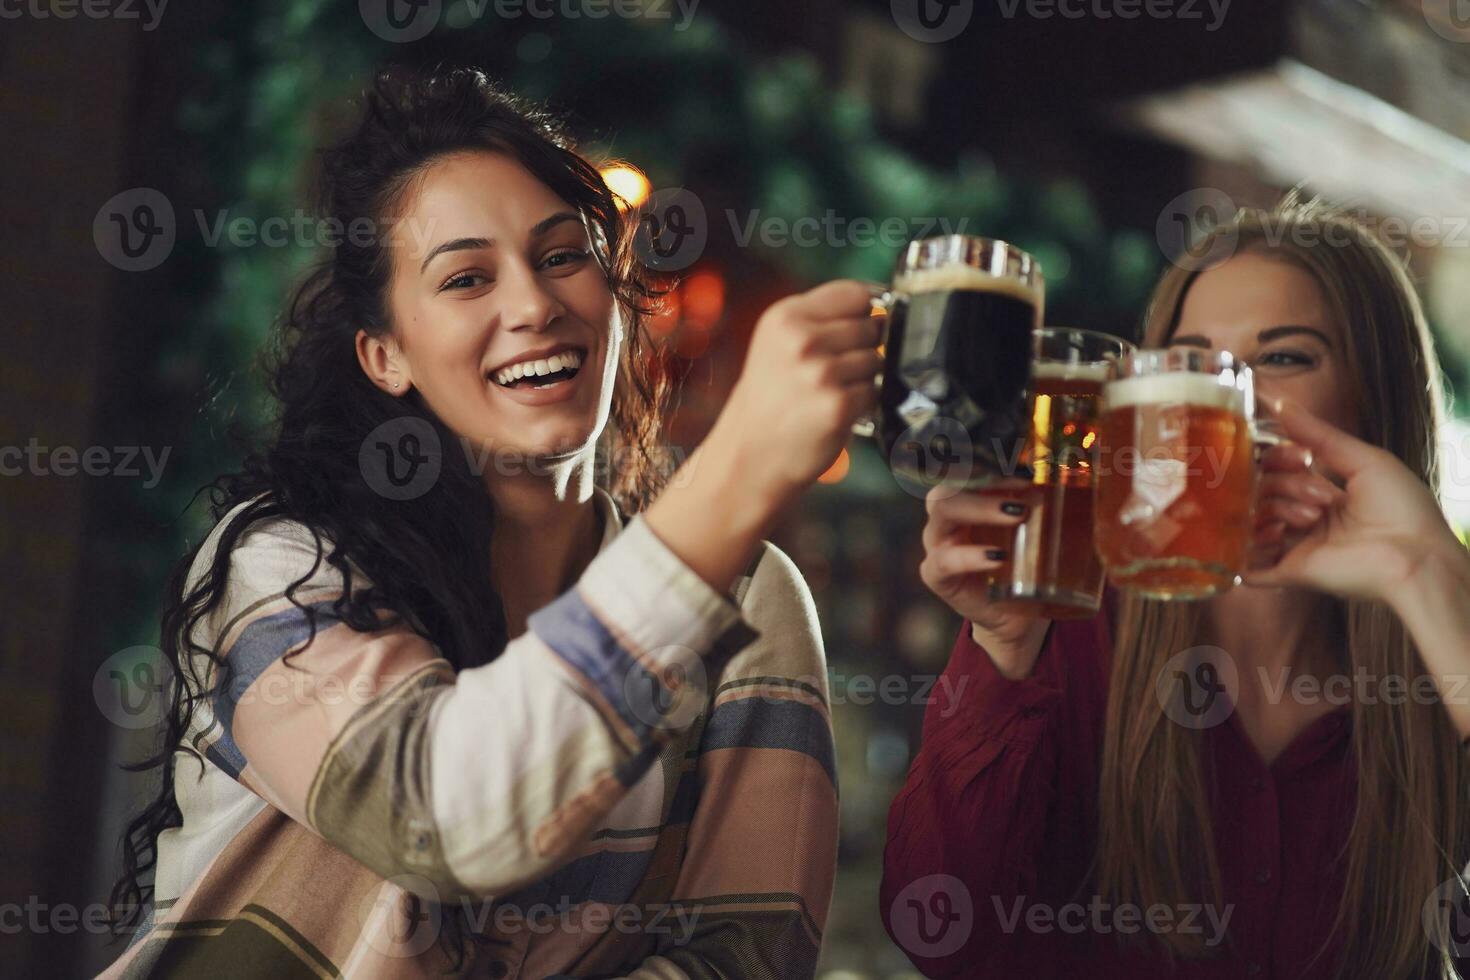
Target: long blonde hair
pixel 1409 829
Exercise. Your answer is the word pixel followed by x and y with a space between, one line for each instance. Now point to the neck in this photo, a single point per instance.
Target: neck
pixel 547 531
pixel 1271 629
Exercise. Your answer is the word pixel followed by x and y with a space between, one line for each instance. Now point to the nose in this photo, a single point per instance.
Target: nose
pixel 525 302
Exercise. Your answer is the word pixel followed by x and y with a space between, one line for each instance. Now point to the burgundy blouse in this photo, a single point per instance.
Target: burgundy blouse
pixel 991 840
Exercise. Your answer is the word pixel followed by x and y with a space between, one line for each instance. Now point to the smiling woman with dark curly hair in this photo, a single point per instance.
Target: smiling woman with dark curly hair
pixel 436 714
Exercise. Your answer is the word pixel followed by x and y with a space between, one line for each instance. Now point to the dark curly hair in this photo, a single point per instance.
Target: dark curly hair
pixel 428 559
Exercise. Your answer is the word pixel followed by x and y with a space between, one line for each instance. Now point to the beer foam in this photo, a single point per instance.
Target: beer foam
pixel 1082 371
pixel 966 277
pixel 1173 388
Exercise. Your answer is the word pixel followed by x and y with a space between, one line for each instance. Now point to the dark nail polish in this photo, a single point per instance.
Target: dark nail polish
pixel 995 554
pixel 1012 508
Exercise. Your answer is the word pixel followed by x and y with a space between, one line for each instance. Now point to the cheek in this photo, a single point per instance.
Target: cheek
pixel 1327 394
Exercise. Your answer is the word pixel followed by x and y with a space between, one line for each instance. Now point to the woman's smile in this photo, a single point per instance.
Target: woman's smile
pixel 542 377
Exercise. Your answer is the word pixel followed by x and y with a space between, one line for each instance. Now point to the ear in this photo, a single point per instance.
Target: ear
pixel 383 363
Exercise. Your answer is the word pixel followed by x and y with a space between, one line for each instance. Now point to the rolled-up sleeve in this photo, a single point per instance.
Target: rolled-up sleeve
pixel 467 784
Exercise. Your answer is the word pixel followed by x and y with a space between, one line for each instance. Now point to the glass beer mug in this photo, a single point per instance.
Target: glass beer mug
pixel 957 360
pixel 1051 566
pixel 1177 476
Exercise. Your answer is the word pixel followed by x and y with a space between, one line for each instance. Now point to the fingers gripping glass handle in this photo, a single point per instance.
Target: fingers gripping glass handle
pixel 882 303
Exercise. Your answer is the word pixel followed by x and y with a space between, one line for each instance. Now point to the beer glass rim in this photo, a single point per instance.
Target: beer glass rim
pixel 1226 369
pixel 1125 347
pixel 993 256
pixel 1182 357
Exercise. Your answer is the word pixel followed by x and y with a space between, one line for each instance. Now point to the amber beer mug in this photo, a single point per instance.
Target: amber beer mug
pixel 1176 477
pixel 1051 567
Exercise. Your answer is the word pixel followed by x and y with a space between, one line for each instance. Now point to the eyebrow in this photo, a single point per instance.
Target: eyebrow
pixel 1264 337
pixel 466 244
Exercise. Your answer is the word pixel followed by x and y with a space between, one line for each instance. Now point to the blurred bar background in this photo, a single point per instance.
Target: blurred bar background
pixel 815 138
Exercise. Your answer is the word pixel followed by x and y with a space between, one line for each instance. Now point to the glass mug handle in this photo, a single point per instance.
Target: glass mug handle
pixel 881 299
pixel 1265 434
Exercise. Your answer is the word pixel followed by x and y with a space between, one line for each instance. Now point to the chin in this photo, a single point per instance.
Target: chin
pixel 556 444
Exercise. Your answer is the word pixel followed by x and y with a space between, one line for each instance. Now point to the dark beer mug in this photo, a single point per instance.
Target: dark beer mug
pixel 957 361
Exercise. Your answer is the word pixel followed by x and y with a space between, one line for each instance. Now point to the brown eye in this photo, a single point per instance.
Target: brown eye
pixel 463 280
pixel 566 257
pixel 1285 358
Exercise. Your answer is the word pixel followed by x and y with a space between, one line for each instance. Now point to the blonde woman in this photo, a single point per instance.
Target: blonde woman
pixel 1057 821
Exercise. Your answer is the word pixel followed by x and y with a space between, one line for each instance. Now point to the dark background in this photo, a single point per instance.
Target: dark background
pixel 1074 136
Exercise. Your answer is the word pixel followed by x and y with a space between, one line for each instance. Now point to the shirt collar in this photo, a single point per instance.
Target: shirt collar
pixel 607 509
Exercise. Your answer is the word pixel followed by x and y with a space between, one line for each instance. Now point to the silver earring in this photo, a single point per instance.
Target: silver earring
pixel 395 386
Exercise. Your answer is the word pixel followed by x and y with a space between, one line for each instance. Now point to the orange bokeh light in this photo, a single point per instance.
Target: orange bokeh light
pixel 628 183
pixel 837 470
pixel 702 297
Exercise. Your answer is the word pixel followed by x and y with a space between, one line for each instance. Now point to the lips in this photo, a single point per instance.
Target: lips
pixel 551 363
pixel 541 377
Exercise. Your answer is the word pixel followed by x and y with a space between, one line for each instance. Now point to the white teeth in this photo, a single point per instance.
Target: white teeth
pixel 564 361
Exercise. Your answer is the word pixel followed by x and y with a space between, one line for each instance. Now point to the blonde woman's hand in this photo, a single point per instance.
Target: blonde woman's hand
pixel 1362 534
pixel 954 569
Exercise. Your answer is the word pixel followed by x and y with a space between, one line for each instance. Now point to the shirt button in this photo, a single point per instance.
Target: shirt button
pixel 498 969
pixel 1262 877
pixel 1253 969
pixel 1257 783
